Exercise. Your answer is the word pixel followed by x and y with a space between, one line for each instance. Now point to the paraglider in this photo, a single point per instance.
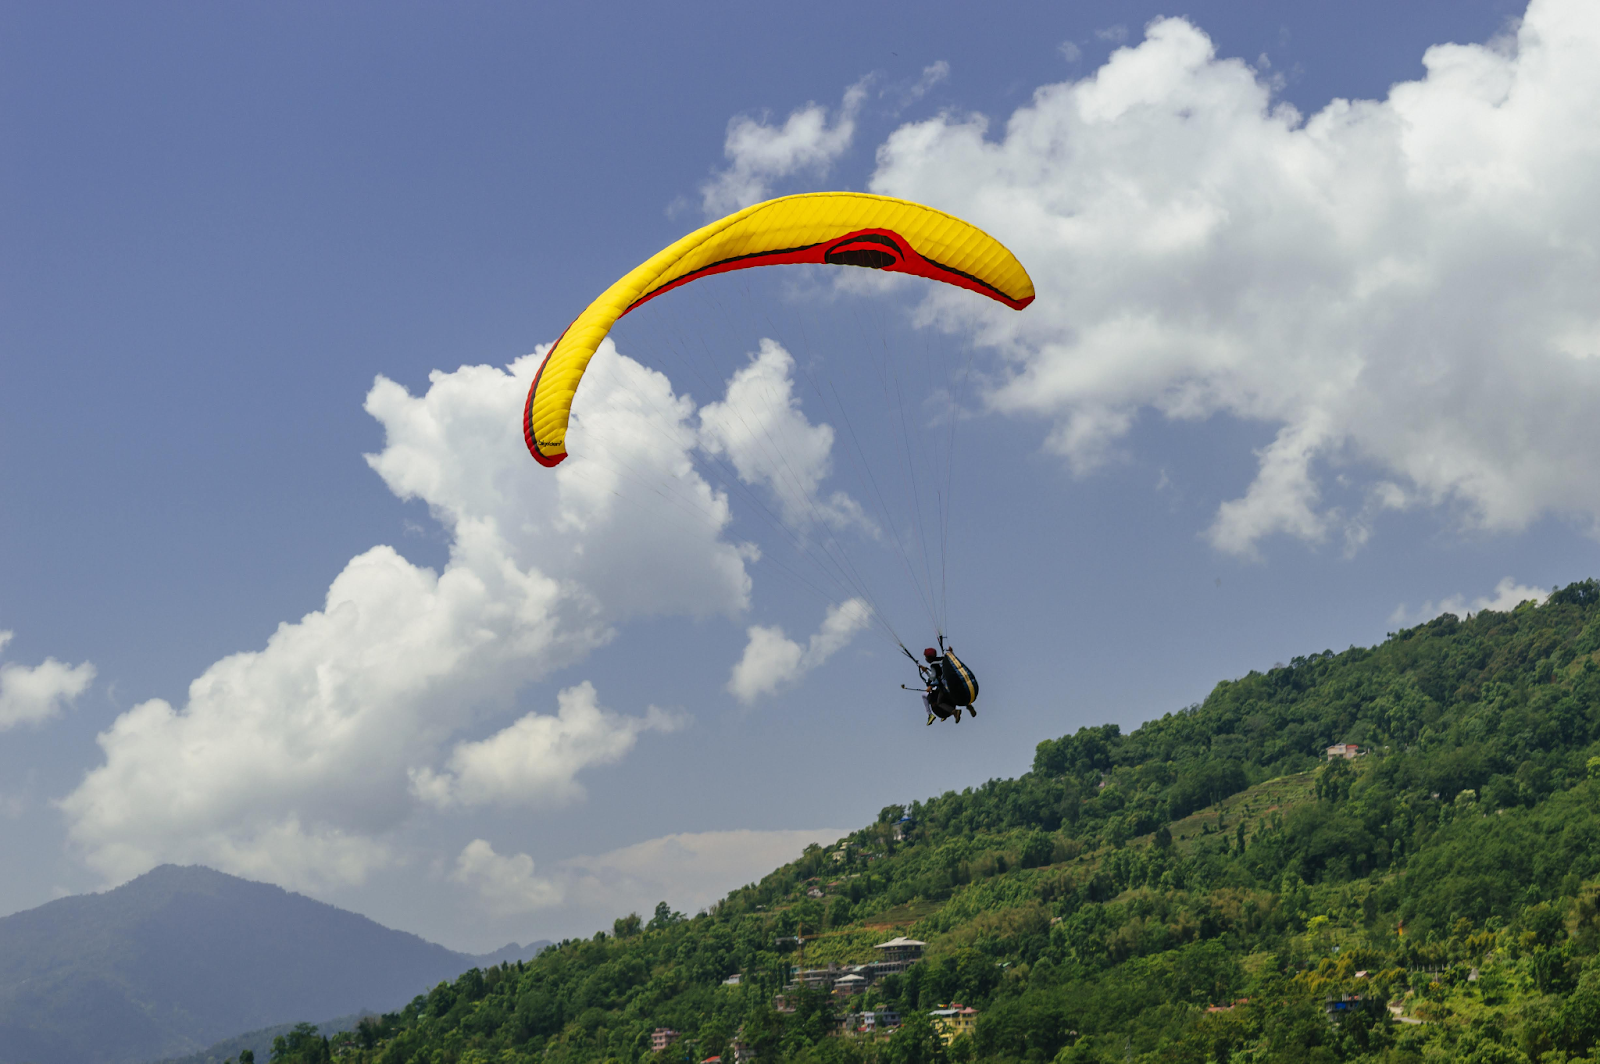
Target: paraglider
pixel 837 228
pixel 950 685
pixel 824 228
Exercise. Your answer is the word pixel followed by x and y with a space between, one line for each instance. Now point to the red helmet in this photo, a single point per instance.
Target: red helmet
pixel 930 653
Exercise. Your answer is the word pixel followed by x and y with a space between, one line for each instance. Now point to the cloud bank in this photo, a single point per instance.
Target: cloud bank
pixel 689 870
pixel 1401 289
pixel 507 886
pixel 300 762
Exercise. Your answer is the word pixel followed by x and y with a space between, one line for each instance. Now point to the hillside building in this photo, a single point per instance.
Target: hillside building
pixel 953 1020
pixel 817 978
pixel 853 983
pixel 879 1020
pixel 896 955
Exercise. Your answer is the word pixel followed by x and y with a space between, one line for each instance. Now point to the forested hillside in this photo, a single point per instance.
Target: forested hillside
pixel 1208 887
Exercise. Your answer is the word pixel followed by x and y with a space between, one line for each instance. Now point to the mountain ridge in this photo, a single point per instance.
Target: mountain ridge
pixel 184 956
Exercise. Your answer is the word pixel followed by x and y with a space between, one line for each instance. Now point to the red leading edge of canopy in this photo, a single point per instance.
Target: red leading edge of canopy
pixel 527 412
pixel 907 260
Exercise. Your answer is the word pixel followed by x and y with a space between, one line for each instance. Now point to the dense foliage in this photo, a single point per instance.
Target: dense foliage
pixel 1208 887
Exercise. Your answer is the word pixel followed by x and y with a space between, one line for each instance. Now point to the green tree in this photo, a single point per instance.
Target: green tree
pixel 1037 849
pixel 664 917
pixel 303 1045
pixel 916 1042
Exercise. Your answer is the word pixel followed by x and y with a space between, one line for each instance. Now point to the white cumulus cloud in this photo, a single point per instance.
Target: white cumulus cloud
pixel 537 759
pixel 760 429
pixel 1507 596
pixel 808 141
pixel 772 661
pixel 1403 289
pixel 32 694
pixel 506 885
pixel 299 762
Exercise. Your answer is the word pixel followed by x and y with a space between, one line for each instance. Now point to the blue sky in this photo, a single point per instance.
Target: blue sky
pixel 1300 371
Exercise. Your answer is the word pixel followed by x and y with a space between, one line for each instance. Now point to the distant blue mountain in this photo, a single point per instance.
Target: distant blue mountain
pixel 181 958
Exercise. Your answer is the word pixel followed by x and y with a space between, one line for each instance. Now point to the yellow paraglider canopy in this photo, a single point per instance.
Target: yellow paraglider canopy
pixel 842 228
